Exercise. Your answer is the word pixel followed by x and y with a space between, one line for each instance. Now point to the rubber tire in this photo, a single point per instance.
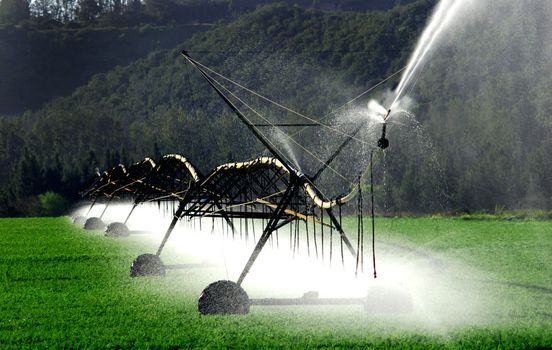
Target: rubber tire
pixel 117 229
pixel 79 220
pixel 223 298
pixel 94 224
pixel 147 265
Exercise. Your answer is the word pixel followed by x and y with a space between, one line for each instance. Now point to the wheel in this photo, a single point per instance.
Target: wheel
pixel 147 265
pixel 388 299
pixel 223 298
pixel 79 220
pixel 117 229
pixel 94 224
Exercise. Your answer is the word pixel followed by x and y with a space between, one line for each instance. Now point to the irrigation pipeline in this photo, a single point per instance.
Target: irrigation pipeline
pixel 280 159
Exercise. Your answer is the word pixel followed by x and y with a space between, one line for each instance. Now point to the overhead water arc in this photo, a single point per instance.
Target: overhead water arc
pixel 445 12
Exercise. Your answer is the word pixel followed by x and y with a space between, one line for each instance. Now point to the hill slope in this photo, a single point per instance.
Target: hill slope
pixel 480 137
pixel 38 65
pixel 148 107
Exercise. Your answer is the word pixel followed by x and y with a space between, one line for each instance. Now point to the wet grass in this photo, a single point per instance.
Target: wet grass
pixel 63 287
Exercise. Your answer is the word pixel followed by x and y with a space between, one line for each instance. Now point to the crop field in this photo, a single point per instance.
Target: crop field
pixel 475 284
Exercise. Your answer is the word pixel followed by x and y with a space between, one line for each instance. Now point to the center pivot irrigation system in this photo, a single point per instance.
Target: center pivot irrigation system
pixel 266 189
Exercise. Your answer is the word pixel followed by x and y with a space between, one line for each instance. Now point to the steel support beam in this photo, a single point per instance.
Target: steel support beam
pixel 270 227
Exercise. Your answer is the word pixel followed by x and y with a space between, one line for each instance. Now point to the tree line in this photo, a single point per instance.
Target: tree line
pixel 71 13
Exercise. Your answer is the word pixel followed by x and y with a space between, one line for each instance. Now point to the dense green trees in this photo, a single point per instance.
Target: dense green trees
pixel 157 105
pixel 65 42
pixel 54 13
pixel 88 10
pixel 38 65
pixel 14 11
pixel 476 141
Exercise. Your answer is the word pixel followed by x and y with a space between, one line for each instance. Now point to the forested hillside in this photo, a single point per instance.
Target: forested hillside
pixel 49 47
pixel 149 107
pixel 38 65
pixel 477 136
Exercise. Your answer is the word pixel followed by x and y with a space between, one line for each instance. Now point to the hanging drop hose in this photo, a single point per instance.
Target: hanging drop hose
pixel 373 212
pixel 383 143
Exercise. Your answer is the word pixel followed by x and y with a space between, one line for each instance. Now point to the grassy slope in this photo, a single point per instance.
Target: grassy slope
pixel 63 287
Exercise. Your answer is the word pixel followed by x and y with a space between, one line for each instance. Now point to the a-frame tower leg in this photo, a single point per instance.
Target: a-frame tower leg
pixel 271 226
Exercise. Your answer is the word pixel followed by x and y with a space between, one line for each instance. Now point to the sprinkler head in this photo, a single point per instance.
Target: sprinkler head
pixel 386 116
pixel 383 142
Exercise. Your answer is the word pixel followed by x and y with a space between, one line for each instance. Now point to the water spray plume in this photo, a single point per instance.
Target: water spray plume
pixel 377 109
pixel 445 11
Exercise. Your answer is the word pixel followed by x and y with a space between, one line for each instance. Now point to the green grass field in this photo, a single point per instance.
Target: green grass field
pixel 63 287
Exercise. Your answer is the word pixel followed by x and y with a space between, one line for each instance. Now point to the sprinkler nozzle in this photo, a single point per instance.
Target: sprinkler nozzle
pixel 383 142
pixel 386 116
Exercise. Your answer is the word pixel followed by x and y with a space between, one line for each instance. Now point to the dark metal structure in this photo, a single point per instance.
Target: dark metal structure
pixel 144 181
pixel 167 182
pixel 267 188
pixel 129 187
pixel 263 188
pixel 86 192
pixel 104 188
